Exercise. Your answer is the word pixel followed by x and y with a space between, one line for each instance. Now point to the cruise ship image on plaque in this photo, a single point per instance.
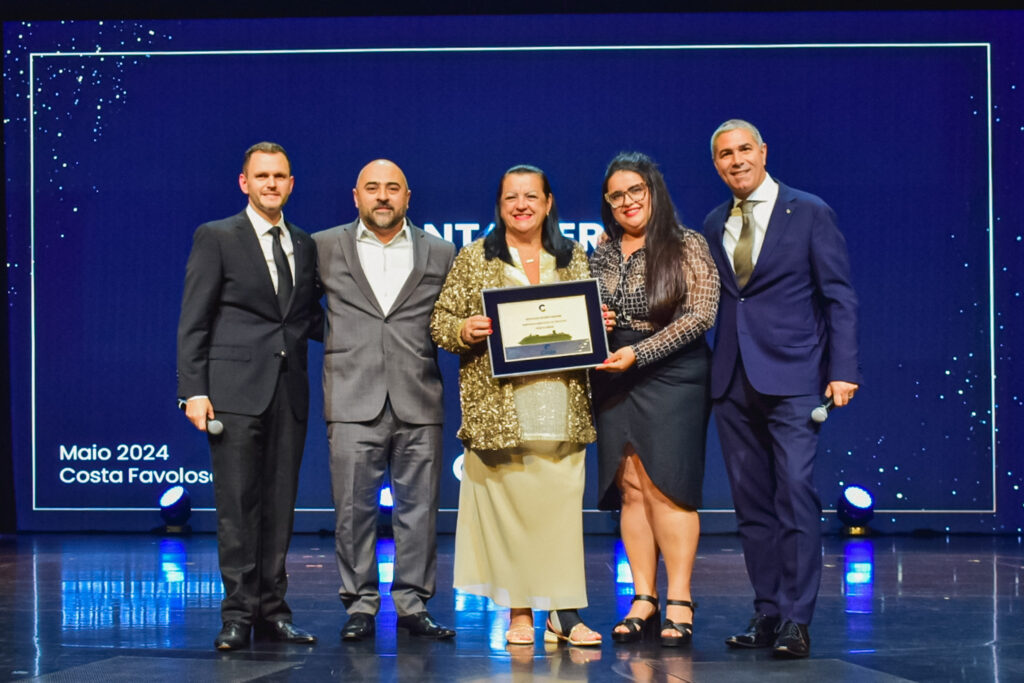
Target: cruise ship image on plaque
pixel 553 343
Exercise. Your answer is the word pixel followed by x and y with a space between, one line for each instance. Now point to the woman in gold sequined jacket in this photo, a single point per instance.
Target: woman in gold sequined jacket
pixel 519 536
pixel 489 418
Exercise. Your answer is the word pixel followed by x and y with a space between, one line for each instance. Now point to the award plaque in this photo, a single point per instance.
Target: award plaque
pixel 545 328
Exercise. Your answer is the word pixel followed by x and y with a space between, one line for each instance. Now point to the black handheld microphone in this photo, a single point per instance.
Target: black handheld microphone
pixel 820 414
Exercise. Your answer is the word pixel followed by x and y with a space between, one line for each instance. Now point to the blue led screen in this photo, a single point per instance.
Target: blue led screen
pixel 134 134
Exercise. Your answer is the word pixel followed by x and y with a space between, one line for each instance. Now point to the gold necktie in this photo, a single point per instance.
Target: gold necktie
pixel 741 255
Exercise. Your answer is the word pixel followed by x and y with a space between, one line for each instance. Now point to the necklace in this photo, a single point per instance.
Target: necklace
pixel 522 256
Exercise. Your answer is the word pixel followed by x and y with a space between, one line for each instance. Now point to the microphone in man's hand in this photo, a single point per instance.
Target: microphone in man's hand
pixel 820 414
pixel 213 427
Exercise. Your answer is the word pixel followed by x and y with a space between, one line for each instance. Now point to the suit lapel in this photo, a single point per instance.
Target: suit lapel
pixel 716 232
pixel 780 217
pixel 249 244
pixel 299 255
pixel 347 243
pixel 420 252
pixel 718 227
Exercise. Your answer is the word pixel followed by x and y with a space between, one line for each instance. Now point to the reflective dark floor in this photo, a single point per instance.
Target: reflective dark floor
pixel 135 607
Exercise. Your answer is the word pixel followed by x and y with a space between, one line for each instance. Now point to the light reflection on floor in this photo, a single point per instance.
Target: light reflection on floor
pixel 885 610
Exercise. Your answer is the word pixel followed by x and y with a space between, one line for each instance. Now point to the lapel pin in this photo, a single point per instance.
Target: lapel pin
pixel 789 210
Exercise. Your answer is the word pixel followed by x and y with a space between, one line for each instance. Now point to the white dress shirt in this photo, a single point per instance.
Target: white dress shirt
pixel 266 238
pixel 386 266
pixel 765 195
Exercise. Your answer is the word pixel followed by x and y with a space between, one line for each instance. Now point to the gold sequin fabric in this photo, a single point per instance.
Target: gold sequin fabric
pixel 489 417
pixel 622 283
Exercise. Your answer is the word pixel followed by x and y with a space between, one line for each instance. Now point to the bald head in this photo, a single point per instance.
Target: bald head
pixel 381 168
pixel 382 197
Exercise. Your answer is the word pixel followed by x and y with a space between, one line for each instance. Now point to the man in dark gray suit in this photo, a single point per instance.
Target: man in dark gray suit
pixel 382 398
pixel 249 305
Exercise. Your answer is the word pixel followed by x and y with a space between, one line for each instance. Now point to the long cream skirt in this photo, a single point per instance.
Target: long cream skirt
pixel 519 536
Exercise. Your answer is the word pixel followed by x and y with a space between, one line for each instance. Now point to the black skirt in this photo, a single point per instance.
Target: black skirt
pixel 662 410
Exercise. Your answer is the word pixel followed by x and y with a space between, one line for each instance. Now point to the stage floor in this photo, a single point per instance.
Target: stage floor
pixel 146 608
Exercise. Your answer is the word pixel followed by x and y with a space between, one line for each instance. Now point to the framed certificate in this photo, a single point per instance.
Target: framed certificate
pixel 545 328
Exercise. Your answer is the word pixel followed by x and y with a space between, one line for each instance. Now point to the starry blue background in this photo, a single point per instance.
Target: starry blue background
pixel 130 152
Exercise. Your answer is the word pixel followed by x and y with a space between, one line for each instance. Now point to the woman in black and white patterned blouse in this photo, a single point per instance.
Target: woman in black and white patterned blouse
pixel 651 395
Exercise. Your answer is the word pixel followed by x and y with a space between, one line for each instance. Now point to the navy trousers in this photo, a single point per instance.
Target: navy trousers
pixel 769 445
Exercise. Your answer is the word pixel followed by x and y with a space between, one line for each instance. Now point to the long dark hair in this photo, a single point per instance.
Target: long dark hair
pixel 665 280
pixel 551 238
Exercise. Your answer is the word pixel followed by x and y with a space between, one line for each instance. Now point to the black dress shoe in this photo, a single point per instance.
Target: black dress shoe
pixel 793 641
pixel 760 633
pixel 359 626
pixel 234 635
pixel 284 632
pixel 422 624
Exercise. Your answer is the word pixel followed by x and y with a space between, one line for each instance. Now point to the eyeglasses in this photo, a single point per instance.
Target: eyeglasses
pixel 635 194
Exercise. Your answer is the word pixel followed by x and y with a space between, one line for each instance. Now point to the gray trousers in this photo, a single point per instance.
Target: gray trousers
pixel 362 453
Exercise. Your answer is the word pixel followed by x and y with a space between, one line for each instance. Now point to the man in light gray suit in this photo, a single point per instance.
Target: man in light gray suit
pixel 382 398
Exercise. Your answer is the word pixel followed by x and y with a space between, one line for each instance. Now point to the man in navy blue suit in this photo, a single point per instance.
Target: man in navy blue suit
pixel 786 333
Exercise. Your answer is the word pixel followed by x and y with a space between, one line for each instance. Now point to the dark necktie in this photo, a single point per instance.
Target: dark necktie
pixel 742 255
pixel 284 273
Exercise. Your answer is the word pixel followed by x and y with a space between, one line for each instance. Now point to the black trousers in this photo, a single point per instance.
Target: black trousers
pixel 255 476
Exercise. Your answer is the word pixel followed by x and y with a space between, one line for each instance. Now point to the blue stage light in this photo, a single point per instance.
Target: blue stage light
pixel 175 508
pixel 855 508
pixel 859 497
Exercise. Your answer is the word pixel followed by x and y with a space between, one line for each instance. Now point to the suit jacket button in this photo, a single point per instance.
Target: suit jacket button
pixel 742 299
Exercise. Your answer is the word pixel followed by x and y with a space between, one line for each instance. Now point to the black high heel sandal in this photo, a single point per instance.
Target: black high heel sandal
pixel 638 628
pixel 685 630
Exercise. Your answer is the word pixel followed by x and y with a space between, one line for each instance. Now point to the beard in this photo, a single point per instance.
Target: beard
pixel 382 222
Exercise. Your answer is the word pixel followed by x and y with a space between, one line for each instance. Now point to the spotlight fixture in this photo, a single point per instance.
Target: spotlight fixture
pixel 855 509
pixel 175 509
